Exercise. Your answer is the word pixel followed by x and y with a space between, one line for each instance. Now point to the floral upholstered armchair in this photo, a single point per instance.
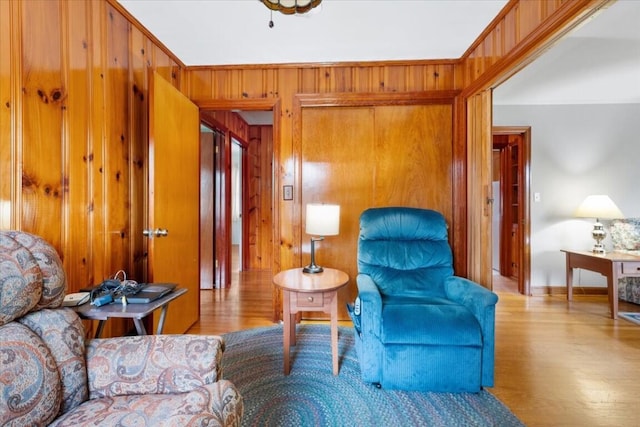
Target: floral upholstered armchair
pixel 50 375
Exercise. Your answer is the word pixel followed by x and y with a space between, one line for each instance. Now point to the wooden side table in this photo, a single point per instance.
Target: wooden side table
pixel 309 292
pixel 612 265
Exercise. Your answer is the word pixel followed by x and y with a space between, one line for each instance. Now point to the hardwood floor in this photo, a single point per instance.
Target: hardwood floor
pixel 557 364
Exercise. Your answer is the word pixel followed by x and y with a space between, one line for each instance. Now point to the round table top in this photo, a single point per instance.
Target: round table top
pixel 296 280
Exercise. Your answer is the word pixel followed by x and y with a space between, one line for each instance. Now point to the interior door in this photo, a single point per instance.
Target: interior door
pixel 174 200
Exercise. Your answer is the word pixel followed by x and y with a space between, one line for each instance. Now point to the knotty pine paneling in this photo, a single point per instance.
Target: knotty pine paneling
pixel 8 113
pixel 479 178
pixel 138 126
pixel 518 33
pixel 77 105
pixel 43 96
pixel 116 167
pixel 260 197
pixel 73 86
pixel 253 81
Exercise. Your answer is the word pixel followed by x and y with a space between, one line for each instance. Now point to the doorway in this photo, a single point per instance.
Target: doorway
pixel 511 182
pixel 211 200
pixel 238 233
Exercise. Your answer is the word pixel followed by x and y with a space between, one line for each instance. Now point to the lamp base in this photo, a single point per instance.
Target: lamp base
pixel 598 235
pixel 313 269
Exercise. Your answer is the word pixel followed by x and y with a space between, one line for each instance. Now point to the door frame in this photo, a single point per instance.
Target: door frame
pixel 244 204
pixel 524 172
pixel 269 104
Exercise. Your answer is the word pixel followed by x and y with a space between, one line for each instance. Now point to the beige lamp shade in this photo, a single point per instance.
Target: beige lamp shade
pixel 599 207
pixel 323 220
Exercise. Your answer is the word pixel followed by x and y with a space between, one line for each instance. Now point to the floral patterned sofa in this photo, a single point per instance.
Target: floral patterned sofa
pixel 625 236
pixel 50 375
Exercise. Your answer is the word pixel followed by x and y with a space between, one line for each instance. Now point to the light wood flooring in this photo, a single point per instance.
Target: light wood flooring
pixel 557 363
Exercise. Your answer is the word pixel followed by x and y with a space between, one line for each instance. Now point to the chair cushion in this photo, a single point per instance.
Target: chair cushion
pixel 20 282
pixel 62 332
pixel 217 404
pixel 32 275
pixel 432 321
pixel 405 251
pixel 54 280
pixel 30 392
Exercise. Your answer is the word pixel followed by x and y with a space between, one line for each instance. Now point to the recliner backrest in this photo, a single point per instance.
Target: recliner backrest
pixel 405 250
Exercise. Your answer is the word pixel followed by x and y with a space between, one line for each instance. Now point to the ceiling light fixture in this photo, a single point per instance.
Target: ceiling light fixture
pixel 289 7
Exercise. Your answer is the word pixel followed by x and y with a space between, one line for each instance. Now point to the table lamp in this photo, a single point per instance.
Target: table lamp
pixel 598 207
pixel 322 220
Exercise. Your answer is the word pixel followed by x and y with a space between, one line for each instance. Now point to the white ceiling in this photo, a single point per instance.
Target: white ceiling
pixel 597 63
pixel 217 32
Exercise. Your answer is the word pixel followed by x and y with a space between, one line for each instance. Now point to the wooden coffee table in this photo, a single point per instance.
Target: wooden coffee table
pixel 310 292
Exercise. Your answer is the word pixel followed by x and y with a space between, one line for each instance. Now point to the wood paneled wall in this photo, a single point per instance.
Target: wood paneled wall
pixel 73 131
pixel 397 81
pixel 260 198
pixel 517 36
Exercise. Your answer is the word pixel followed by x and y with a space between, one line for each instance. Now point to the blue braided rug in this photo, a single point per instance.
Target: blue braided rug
pixel 312 396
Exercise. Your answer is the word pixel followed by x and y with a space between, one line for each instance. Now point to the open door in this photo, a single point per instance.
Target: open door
pixel 174 200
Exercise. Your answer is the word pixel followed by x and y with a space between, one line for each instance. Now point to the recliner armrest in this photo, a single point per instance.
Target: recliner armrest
pixel 152 364
pixel 371 304
pixel 470 294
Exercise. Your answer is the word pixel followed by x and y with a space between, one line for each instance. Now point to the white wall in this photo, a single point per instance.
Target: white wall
pixel 576 150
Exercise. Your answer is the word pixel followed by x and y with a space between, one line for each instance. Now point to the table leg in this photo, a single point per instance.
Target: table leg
pixel 569 279
pixel 100 328
pixel 334 332
pixel 140 329
pixel 163 315
pixel 286 317
pixel 612 285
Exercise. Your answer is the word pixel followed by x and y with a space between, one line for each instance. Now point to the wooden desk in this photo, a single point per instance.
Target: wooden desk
pixel 612 265
pixel 137 312
pixel 309 292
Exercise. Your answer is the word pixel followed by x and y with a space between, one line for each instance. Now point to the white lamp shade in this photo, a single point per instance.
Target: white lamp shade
pixel 599 207
pixel 323 220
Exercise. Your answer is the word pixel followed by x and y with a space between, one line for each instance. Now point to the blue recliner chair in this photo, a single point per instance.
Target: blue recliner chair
pixel 419 326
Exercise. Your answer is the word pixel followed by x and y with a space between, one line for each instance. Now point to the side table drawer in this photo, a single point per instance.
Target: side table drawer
pixel 307 299
pixel 630 268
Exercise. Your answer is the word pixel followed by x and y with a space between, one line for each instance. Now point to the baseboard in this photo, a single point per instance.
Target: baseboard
pixel 562 290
